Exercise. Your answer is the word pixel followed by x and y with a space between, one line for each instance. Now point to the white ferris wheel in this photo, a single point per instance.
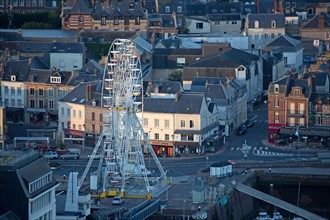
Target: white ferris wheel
pixel 123 135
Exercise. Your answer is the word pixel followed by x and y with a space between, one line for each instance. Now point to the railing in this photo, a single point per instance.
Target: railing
pixel 144 210
pixel 297 113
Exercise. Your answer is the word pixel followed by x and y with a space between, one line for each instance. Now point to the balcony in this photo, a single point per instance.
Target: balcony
pixel 296 113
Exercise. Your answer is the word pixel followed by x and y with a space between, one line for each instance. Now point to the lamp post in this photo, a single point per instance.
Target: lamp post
pixel 184 208
pixel 297 134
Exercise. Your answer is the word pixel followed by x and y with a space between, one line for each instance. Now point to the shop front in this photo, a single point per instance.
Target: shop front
pixel 189 147
pixel 15 115
pixel 36 116
pixel 162 148
pixel 76 136
pixel 273 132
pixel 213 143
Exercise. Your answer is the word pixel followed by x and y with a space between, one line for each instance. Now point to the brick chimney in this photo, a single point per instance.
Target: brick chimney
pixel 280 7
pixel 321 21
pixel 258 6
pixel 313 83
pixel 275 6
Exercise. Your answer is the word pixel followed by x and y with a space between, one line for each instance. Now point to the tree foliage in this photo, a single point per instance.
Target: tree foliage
pixel 175 76
pixel 98 49
pixel 33 20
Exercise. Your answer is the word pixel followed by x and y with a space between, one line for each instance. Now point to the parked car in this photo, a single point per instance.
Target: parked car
pixel 51 155
pixel 249 123
pixel 96 156
pixel 118 200
pixel 281 142
pixel 70 155
pixel 241 130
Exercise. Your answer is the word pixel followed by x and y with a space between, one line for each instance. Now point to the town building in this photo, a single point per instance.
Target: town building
pixel 294 104
pixel 221 60
pixel 13 77
pixel 291 50
pixel 29 6
pixel 27 178
pixel 186 123
pixel 118 15
pixel 262 29
pixel 315 34
pixel 80 114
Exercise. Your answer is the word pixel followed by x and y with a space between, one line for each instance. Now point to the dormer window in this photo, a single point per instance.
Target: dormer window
pixel 256 24
pixel 13 78
pixel 273 24
pixel 179 9
pixel 55 79
pixel 276 88
pixel 167 9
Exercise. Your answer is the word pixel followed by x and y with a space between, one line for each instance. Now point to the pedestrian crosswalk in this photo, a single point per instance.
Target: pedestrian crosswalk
pixel 264 152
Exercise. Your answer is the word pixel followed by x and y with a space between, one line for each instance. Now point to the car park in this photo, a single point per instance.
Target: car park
pixel 70 155
pixel 51 155
pixel 118 200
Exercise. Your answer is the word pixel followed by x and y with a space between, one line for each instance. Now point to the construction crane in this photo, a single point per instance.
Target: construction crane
pixel 122 170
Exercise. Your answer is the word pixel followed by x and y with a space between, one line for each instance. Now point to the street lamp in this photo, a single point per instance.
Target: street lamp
pixel 184 208
pixel 297 134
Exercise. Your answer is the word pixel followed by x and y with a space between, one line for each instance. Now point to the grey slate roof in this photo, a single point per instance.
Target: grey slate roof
pixel 142 44
pixel 104 35
pixel 320 97
pixel 33 171
pixel 78 94
pixel 80 7
pixel 18 68
pixel 198 84
pixel 265 20
pixel 224 17
pixel 285 44
pixel 90 68
pixel 321 78
pixel 314 22
pixel 229 58
pixel 60 47
pixel 44 47
pixel 303 83
pixel 187 104
pixel 78 78
pixel 214 7
pixel 167 87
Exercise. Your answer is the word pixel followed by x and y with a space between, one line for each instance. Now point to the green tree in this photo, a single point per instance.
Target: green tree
pixel 175 76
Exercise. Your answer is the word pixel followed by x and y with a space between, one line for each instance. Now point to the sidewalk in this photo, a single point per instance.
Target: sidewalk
pixel 293 148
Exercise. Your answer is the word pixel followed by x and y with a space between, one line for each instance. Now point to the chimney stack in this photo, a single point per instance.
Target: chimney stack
pixel 258 6
pixel 88 92
pixel 275 6
pixel 321 21
pixel 280 7
pixel 313 83
pixel 177 95
pixel 157 6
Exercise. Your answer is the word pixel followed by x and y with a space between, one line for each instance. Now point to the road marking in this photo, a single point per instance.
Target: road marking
pixel 266 121
pixel 266 148
pixel 232 148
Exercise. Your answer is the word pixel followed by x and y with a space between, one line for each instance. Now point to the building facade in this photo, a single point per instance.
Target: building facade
pixel 34 192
